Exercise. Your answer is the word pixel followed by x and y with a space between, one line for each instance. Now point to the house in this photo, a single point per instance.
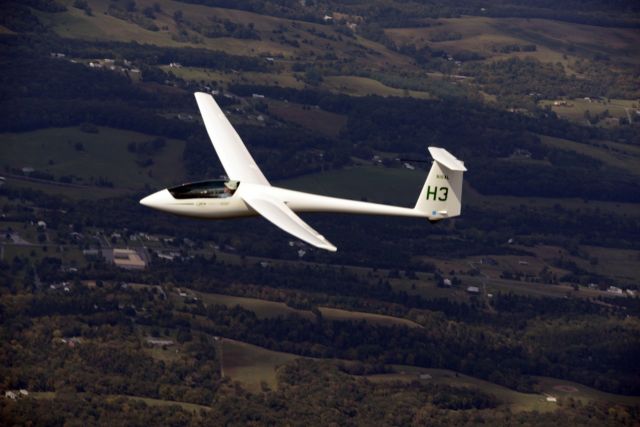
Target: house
pixel 257 95
pixel 91 252
pixel 552 399
pixel 42 224
pixel 473 290
pixel 168 257
pixel 447 282
pixel 615 290
pixel 409 166
pixel 23 392
pixel 158 341
pixel 10 395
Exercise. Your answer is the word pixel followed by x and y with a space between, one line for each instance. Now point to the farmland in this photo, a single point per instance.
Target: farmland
pixel 91 156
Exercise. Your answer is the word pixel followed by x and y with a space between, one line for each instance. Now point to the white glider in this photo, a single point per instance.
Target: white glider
pixel 247 192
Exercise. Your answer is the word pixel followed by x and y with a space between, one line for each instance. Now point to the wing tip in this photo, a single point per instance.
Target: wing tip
pixel 329 247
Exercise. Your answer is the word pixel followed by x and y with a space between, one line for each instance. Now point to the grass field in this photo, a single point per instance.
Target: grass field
pixel 362 86
pixel 376 319
pixel 262 308
pixel 375 183
pixel 515 401
pixel 317 120
pixel 76 24
pixel 267 309
pixel 619 156
pixel 54 150
pixel 552 38
pixel 562 388
pixel 575 110
pixel 252 365
pixel 268 79
pixel 72 192
pixel 621 264
pixel 191 407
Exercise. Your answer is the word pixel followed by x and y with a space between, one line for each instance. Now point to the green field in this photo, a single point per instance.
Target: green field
pixel 619 156
pixel 191 407
pixel 317 120
pixel 268 79
pixel 515 401
pixel 56 151
pixel 362 86
pixel 262 308
pixel 575 110
pixel 552 38
pixel 566 389
pixel 375 183
pixel 267 309
pixel 76 24
pixel 252 365
pixel 621 264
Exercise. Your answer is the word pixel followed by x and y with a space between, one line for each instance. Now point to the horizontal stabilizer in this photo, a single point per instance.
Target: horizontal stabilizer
pixel 446 159
pixel 278 213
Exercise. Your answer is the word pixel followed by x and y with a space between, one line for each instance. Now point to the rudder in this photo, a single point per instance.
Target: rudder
pixel 441 196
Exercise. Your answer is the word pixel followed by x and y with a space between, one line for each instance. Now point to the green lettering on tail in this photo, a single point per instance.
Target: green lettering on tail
pixel 431 193
pixel 444 193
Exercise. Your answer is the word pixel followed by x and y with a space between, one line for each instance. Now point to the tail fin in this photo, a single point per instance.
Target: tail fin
pixel 441 196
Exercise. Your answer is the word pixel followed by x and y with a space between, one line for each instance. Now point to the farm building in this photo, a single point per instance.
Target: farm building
pixel 128 259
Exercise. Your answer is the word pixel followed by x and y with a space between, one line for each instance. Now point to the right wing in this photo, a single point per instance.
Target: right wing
pixel 236 160
pixel 278 213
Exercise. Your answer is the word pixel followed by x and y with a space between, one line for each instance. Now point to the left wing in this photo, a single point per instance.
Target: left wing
pixel 236 160
pixel 280 215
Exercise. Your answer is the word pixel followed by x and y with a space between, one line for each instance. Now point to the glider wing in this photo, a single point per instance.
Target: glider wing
pixel 236 160
pixel 278 213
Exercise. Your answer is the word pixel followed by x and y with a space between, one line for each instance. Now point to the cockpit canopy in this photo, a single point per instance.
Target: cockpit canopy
pixel 212 189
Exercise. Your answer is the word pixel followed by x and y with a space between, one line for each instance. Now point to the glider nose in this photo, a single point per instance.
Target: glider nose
pixel 157 200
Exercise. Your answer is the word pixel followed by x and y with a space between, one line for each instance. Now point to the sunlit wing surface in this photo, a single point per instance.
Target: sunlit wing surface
pixel 280 215
pixel 236 160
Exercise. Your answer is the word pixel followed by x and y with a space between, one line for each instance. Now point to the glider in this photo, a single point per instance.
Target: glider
pixel 248 193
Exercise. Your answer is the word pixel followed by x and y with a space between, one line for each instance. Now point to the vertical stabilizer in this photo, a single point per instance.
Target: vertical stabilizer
pixel 441 196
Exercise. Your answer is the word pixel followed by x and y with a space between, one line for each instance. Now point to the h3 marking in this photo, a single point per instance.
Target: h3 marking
pixel 438 193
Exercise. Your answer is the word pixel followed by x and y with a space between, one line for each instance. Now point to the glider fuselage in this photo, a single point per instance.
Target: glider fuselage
pixel 235 207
